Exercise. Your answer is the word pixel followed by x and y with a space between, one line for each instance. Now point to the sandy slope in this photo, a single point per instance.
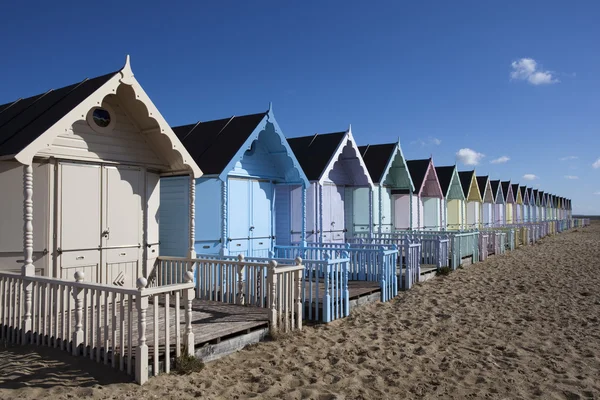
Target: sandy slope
pixel 524 325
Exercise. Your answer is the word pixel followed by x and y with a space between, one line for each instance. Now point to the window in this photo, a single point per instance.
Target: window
pixel 101 119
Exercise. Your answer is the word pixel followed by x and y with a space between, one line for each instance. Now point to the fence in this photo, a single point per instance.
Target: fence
pixel 108 324
pixel 434 247
pixel 367 262
pixel 259 282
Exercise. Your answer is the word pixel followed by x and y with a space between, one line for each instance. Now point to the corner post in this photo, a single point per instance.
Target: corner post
pixel 320 229
pixel 224 219
pixel 78 334
pixel 303 236
pixel 380 205
pixel 192 249
pixel 141 354
pixel 188 296
pixel 27 269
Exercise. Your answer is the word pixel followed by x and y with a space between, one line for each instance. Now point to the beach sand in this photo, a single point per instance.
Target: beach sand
pixel 523 325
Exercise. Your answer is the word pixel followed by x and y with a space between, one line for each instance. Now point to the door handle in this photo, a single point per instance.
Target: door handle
pixel 106 233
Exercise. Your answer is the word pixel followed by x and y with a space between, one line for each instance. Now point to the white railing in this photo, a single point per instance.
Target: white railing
pixel 108 324
pixel 235 280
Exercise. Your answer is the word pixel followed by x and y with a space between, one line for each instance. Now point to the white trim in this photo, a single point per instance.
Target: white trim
pixel 347 137
pixel 124 77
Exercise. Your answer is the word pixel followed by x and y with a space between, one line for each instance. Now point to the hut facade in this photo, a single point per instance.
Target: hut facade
pixel 499 203
pixel 340 186
pixel 251 177
pixel 518 205
pixel 80 169
pixel 453 203
pixel 391 199
pixel 509 199
pixel 468 181
pixel 487 207
pixel 428 195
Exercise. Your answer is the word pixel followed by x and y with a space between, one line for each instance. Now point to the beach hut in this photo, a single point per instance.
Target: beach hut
pixel 543 209
pixel 243 202
pixel 499 203
pixel 525 207
pixel 487 208
pixel 79 173
pixel 468 181
pixel 453 204
pixel 390 202
pixel 518 205
pixel 338 179
pixel 535 199
pixel 428 195
pixel 509 200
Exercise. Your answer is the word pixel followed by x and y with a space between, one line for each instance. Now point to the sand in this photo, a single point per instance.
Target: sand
pixel 523 325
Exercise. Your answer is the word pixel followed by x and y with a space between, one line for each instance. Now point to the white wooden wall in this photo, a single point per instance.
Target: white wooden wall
pixel 124 143
pixel 11 215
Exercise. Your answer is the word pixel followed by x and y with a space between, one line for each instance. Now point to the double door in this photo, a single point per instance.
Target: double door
pixel 250 222
pixel 98 222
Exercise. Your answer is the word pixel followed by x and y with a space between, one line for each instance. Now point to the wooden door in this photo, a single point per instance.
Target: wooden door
pixel 238 216
pixel 333 213
pixel 99 222
pixel 387 219
pixel 78 220
pixel 262 218
pixel 122 225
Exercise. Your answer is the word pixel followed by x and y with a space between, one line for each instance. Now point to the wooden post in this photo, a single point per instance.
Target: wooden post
pixel 303 228
pixel 188 334
pixel 78 334
pixel 27 269
pixel 192 249
pixel 141 355
pixel 320 229
pixel 224 244
pixel 298 298
pixel 272 278
pixel 240 280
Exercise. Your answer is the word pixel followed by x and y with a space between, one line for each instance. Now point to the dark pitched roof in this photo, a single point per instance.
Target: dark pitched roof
pixel 314 152
pixel 515 190
pixel 495 185
pixel 465 180
pixel 213 144
pixel 481 182
pixel 376 157
pixel 444 175
pixel 24 120
pixel 505 187
pixel 418 172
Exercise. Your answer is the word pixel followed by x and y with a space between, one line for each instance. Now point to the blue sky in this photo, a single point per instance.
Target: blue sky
pixel 515 79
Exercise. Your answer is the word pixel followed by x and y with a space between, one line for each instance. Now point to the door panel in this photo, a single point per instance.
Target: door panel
pixel 262 197
pixel 386 214
pixel 333 213
pixel 123 191
pixel 239 216
pixel 79 211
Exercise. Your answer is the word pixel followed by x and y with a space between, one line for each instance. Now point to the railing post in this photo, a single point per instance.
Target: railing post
pixel 240 280
pixel 272 279
pixel 188 296
pixel 78 334
pixel 327 298
pixel 141 354
pixel 298 298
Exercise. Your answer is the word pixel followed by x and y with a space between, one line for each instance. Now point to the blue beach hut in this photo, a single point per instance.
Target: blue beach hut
pixel 246 160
